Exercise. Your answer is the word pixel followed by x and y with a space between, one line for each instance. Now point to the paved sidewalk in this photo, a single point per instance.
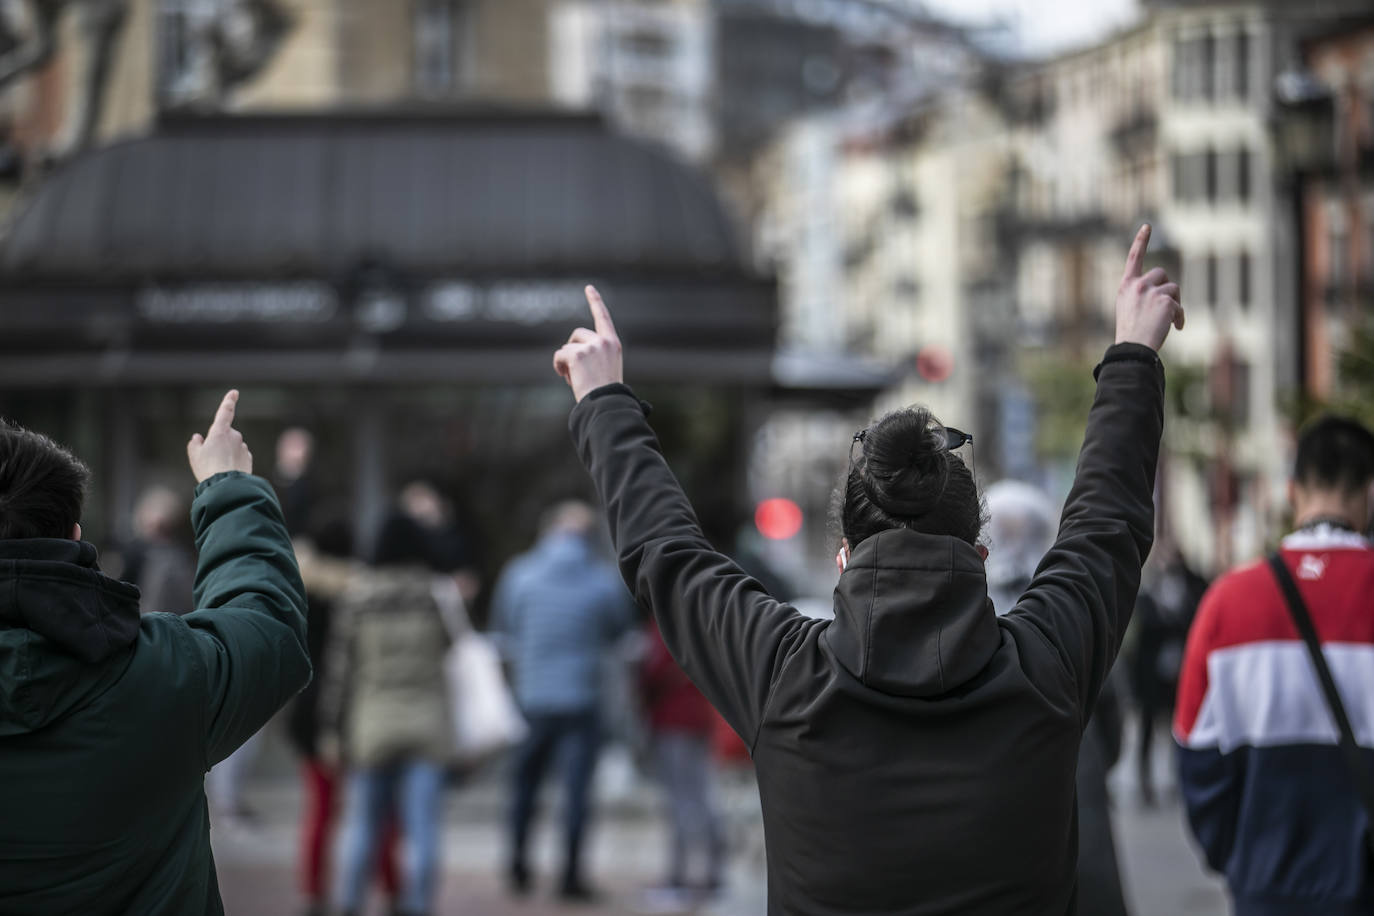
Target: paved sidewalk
pixel 1161 872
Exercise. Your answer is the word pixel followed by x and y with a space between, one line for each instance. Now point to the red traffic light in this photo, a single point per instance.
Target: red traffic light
pixel 778 519
pixel 934 363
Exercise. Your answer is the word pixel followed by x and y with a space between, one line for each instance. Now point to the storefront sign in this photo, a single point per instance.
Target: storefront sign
pixel 227 303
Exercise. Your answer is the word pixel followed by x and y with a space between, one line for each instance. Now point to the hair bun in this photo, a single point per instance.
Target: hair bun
pixel 906 463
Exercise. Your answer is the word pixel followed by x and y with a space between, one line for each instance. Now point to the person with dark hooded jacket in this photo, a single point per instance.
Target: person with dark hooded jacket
pixel 109 720
pixel 916 755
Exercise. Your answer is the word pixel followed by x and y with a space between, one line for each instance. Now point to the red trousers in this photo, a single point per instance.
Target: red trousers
pixel 322 785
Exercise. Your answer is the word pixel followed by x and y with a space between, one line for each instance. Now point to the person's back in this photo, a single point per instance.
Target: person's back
pixel 1269 794
pixel 916 754
pixel 108 721
pixel 558 606
pixel 891 752
pixel 390 658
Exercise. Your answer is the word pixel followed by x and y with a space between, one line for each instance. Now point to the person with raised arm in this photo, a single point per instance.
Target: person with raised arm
pixel 108 720
pixel 916 754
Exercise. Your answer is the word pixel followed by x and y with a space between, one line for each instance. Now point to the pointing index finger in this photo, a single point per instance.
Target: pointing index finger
pixel 1136 259
pixel 224 416
pixel 601 316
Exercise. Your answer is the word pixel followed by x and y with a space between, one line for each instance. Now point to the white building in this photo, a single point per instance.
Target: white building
pixel 1170 122
pixel 648 65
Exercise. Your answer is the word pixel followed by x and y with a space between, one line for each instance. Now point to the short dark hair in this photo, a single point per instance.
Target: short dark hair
pixel 403 541
pixel 1335 453
pixel 906 477
pixel 42 485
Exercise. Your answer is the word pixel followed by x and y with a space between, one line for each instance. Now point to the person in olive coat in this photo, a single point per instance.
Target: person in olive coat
pixel 109 720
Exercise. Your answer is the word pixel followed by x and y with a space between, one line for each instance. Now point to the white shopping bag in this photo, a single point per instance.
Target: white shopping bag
pixel 485 719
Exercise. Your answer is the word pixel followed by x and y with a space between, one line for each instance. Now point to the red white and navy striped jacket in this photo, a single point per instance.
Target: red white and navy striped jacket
pixel 1267 790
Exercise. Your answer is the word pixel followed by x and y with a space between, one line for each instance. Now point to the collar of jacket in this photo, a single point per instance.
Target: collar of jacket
pixel 54 588
pixel 912 615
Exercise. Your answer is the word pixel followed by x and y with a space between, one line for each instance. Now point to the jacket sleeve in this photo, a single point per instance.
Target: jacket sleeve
pixel 1084 590
pixel 249 634
pixel 1211 779
pixel 725 631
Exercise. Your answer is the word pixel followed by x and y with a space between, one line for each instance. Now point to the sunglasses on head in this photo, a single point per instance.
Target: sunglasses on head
pixel 954 438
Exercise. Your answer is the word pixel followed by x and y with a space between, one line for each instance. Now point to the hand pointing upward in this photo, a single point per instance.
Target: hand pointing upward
pixel 1146 304
pixel 591 358
pixel 222 447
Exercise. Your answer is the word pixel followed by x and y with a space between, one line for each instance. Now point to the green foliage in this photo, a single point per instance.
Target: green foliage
pixel 1062 390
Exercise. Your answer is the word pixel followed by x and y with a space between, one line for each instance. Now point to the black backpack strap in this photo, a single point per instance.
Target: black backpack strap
pixel 1359 773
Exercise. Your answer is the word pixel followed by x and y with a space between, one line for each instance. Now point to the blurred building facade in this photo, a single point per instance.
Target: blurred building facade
pixel 957 218
pixel 1173 121
pixel 649 65
pixel 990 222
pixel 1328 142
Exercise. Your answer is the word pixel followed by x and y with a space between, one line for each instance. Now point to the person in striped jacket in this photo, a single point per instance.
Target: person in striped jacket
pixel 1269 795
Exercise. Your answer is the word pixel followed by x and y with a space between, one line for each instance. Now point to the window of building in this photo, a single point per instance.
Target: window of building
pixel 184 55
pixel 906 288
pixel 1190 177
pixel 1243 280
pixel 1177 76
pixel 436 44
pixel 1192 68
pixel 1213 274
pixel 1207 54
pixel 1209 167
pixel 1241 62
pixel 1240 392
pixel 1243 166
pixel 646 43
pixel 1338 243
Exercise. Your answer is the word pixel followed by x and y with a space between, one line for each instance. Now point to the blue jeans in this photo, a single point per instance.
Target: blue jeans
pixel 372 794
pixel 572 737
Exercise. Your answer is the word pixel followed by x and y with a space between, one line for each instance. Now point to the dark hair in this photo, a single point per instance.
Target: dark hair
pixel 42 485
pixel 331 532
pixel 403 541
pixel 904 477
pixel 1335 453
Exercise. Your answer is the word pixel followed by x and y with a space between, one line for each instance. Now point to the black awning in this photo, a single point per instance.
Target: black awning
pixel 386 243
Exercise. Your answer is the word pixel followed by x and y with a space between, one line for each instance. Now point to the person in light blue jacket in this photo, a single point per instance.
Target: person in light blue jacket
pixel 558 608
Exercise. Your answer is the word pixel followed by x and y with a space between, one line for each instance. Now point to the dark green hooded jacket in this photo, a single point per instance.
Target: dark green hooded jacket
pixel 109 721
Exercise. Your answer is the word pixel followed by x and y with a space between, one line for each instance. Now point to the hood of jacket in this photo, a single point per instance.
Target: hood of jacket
pixel 912 615
pixel 60 618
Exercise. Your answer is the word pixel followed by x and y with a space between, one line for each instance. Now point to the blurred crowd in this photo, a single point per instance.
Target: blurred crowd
pixel 387 723
pixel 389 720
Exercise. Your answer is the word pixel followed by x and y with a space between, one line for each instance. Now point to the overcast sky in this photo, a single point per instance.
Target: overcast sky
pixel 1042 26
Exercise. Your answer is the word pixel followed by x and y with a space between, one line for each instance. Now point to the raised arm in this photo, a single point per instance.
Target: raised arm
pixel 250 632
pixel 725 631
pixel 1085 588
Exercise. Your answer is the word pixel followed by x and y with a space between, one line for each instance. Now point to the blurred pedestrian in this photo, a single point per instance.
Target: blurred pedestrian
pixel 1279 793
pixel 558 608
pixel 1020 529
pixel 291 477
pixel 108 719
pixel 327 570
pixel 681 725
pixel 1021 523
pixel 385 699
pixel 916 754
pixel 1163 613
pixel 165 566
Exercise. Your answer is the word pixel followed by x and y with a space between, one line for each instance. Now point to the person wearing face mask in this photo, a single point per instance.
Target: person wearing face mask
pixel 916 754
